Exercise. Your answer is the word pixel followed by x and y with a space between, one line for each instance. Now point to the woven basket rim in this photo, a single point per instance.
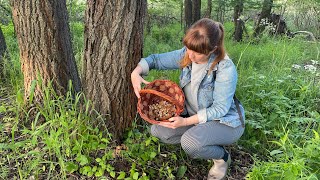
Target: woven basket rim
pixel 179 106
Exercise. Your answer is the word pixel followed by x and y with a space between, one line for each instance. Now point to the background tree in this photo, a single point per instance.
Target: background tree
pixel 113 47
pixel 45 46
pixel 221 10
pixel 239 24
pixel 3 50
pixel 237 11
pixel 5 12
pixel 162 13
pixel 196 10
pixel 192 11
pixel 188 13
pixel 264 14
pixel 209 9
pixel 76 10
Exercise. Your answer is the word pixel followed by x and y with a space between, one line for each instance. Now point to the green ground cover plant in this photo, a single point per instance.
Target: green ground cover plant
pixel 282 105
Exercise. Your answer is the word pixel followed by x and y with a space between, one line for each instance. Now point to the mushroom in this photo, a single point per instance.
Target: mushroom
pixel 162 110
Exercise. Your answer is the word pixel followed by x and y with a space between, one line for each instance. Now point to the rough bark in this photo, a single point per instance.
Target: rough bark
pixel 192 11
pixel 113 47
pixel 45 46
pixel 188 13
pixel 239 29
pixel 196 10
pixel 280 25
pixel 238 9
pixel 238 22
pixel 3 49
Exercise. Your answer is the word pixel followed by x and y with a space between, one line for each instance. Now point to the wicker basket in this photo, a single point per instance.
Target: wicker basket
pixel 159 91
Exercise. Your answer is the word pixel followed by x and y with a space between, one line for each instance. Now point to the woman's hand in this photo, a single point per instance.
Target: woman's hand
pixel 175 122
pixel 137 80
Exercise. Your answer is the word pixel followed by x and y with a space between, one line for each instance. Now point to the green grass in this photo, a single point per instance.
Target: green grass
pixel 59 140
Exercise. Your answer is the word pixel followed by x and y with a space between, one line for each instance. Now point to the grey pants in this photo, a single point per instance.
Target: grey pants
pixel 203 141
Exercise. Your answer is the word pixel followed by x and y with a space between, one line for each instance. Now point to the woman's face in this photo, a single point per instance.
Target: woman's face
pixel 197 57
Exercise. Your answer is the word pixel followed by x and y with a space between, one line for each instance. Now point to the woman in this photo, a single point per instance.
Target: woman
pixel 208 79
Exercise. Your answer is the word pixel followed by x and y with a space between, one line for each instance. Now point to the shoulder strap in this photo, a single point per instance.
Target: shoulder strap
pixel 237 102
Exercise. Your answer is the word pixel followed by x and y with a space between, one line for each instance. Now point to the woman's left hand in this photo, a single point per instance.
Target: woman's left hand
pixel 174 122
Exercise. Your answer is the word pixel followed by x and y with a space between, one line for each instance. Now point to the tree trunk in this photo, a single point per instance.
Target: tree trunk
pixel 113 48
pixel 238 32
pixel 188 13
pixel 238 23
pixel 265 13
pixel 45 46
pixel 220 11
pixel 209 9
pixel 192 11
pixel 196 10
pixel 181 15
pixel 3 49
pixel 238 9
pixel 266 9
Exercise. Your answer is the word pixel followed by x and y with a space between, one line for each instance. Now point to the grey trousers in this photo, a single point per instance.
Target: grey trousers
pixel 203 141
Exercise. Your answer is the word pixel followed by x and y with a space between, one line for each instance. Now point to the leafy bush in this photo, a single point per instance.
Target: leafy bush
pixel 291 161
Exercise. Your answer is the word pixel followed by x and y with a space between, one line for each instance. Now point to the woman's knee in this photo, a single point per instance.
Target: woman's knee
pixel 191 145
pixel 154 131
pixel 160 132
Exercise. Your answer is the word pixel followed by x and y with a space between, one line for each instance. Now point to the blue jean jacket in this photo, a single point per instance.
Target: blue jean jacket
pixel 214 95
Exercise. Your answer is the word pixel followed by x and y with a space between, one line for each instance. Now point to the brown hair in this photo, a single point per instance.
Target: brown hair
pixel 203 37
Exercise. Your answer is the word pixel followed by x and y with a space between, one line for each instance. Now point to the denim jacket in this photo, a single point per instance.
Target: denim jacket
pixel 214 95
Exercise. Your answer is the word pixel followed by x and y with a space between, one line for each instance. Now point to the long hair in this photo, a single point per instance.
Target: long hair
pixel 203 37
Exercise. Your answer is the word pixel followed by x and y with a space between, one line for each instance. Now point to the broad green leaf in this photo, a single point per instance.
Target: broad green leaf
pixel 100 172
pixel 152 155
pixel 82 159
pixel 71 167
pixel 94 169
pixel 2 109
pixel 135 175
pixel 98 159
pixel 122 175
pixel 148 141
pixel 181 171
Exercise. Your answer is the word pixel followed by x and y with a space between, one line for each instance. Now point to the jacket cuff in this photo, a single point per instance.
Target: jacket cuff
pixel 202 116
pixel 145 67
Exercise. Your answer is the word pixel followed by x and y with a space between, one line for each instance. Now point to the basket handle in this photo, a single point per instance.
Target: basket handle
pixel 151 91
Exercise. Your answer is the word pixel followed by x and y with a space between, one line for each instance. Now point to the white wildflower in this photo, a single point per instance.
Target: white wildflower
pixel 314 62
pixel 296 66
pixel 310 68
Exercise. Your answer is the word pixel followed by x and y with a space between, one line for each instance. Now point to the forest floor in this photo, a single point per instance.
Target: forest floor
pixel 196 169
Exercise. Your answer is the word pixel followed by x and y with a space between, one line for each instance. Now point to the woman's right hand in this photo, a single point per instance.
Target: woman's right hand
pixel 137 80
